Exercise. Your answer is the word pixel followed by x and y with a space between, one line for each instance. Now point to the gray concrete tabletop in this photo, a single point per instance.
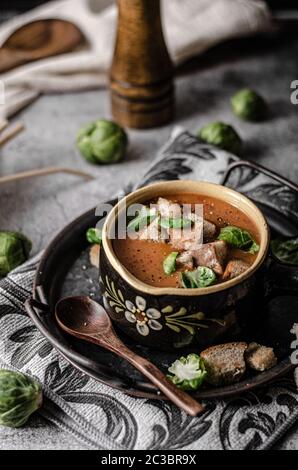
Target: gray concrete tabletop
pixel 41 207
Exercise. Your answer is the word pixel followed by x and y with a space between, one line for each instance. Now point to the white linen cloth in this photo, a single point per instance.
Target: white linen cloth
pixel 190 26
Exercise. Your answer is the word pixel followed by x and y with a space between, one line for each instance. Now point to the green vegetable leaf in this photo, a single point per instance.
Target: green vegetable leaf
pixel 238 238
pixel 94 235
pixel 144 218
pixel 254 248
pixel 175 223
pixel 188 373
pixel 169 264
pixel 20 396
pixel 14 250
pixel 201 277
pixel 286 249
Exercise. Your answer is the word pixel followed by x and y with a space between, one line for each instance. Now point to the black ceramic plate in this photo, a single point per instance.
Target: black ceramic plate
pixel 65 270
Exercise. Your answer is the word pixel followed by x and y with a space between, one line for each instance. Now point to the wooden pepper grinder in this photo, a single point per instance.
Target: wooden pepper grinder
pixel 141 79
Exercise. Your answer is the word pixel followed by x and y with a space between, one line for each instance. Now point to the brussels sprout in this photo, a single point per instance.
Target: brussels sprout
pixel 169 263
pixel 94 235
pixel 188 373
pixel 14 250
pixel 248 105
pixel 238 238
pixel 200 277
pixel 20 396
pixel 102 142
pixel 222 135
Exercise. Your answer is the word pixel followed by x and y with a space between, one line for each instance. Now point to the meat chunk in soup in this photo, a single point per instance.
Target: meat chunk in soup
pixel 153 232
pixel 234 268
pixel 212 255
pixel 168 209
pixel 185 260
pixel 209 230
pixel 188 239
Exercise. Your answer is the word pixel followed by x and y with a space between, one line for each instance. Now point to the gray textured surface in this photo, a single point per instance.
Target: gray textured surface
pixel 42 207
pixel 202 95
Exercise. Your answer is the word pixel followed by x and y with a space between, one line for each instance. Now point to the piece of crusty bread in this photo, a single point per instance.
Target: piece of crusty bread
pixel 225 363
pixel 94 255
pixel 260 357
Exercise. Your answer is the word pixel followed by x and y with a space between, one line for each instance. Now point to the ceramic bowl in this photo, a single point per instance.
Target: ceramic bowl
pixel 178 317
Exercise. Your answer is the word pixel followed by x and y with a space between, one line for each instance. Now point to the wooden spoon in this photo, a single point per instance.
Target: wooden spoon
pixel 85 319
pixel 38 40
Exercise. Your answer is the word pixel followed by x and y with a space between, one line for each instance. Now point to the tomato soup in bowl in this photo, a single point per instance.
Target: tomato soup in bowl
pixel 180 262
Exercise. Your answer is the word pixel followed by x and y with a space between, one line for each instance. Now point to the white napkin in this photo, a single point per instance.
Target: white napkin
pixel 191 27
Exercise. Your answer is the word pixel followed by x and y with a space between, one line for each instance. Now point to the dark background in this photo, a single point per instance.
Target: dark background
pixel 27 4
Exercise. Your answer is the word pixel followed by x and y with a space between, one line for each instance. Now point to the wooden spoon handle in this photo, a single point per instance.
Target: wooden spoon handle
pixel 179 397
pixel 111 342
pixel 182 399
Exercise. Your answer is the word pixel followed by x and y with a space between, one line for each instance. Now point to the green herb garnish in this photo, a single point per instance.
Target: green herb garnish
pixel 169 264
pixel 201 277
pixel 238 238
pixel 94 236
pixel 254 248
pixel 174 223
pixel 144 218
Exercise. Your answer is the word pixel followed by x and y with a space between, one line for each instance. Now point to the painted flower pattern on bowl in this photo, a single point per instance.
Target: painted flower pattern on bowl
pixel 145 319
